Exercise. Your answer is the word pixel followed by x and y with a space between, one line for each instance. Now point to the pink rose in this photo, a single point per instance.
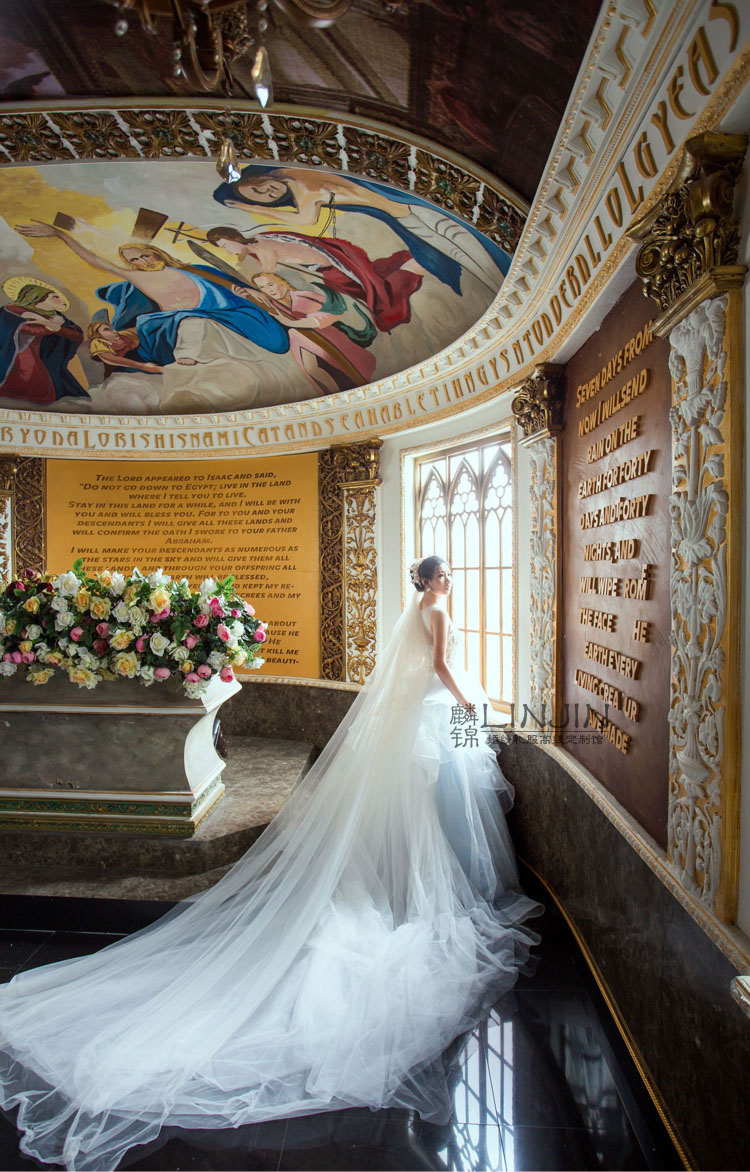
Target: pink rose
pixel 223 633
pixel 201 620
pixel 204 671
pixel 192 677
pixel 190 641
pixel 100 646
pixel 162 673
pixel 249 609
pixel 16 656
pixel 29 656
pixel 217 610
pixel 163 614
pixel 235 614
pixel 102 630
pixel 227 675
pixel 76 633
pixel 155 618
pixel 7 658
pixel 140 644
pixel 260 635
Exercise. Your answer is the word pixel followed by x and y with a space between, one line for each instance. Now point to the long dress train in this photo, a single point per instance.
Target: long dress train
pixel 329 968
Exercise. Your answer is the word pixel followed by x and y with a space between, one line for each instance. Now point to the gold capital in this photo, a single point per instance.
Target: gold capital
pixel 538 403
pixel 690 239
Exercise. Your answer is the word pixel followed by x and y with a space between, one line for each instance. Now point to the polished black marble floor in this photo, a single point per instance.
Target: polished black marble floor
pixel 544 1082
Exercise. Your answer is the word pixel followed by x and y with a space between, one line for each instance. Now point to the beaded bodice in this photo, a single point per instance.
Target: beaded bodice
pixel 452 645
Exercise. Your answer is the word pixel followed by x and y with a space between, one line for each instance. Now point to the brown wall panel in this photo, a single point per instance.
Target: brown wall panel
pixel 617 397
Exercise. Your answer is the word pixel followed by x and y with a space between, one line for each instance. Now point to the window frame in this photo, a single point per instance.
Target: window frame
pixel 504 431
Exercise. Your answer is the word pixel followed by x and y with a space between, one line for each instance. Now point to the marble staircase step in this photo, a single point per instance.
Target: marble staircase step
pixel 260 775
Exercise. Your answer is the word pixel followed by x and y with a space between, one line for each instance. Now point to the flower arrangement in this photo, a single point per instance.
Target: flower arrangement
pixel 105 626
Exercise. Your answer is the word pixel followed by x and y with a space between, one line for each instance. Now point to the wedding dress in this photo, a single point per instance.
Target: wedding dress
pixel 329 968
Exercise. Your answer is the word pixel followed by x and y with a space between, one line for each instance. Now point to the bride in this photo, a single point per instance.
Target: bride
pixel 330 968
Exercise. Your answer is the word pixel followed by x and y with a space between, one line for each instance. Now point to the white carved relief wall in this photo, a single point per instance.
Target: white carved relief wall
pixel 704 589
pixel 543 573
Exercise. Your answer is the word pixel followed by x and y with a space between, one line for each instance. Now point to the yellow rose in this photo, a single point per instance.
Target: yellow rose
pixel 130 595
pixel 82 676
pixel 158 599
pixel 55 658
pixel 105 577
pixel 186 666
pixel 121 640
pixel 126 663
pixel 42 676
pixel 32 604
pixel 239 656
pixel 83 599
pixel 25 645
pixel 100 608
pixel 10 626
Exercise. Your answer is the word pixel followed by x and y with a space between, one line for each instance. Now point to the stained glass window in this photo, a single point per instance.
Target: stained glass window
pixel 464 512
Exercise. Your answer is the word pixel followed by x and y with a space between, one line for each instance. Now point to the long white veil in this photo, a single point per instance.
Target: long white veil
pixel 330 967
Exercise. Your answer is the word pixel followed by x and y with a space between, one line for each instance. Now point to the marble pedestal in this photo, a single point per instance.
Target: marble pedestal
pixel 118 758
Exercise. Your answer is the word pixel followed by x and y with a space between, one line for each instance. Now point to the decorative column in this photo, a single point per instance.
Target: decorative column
pixel 348 480
pixel 22 532
pixel 537 407
pixel 688 264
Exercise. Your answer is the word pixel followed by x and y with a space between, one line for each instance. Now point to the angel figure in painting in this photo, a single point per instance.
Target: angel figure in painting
pixel 384 285
pixel 439 243
pixel 330 352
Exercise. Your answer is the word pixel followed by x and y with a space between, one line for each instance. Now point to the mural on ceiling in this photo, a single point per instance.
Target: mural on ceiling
pixel 285 284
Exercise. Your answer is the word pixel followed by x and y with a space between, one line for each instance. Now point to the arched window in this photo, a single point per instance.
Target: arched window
pixel 464 512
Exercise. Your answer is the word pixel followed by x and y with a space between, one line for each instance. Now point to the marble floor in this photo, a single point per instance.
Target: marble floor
pixel 544 1081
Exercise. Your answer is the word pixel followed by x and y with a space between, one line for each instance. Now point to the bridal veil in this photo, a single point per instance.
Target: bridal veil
pixel 329 968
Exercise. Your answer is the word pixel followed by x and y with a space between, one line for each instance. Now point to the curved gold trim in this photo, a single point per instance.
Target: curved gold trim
pixel 644 1071
pixel 283 110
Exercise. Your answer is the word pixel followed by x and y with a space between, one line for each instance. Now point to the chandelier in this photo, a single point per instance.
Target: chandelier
pixel 209 36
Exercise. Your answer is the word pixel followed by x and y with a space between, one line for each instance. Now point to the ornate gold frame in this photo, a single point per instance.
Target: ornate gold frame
pixel 347 483
pixel 23 478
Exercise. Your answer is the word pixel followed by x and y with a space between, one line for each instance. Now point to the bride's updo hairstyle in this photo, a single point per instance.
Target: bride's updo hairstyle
pixel 424 571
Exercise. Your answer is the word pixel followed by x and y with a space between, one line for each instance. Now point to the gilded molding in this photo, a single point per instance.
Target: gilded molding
pixel 705 590
pixel 538 403
pixel 544 578
pixel 22 514
pixel 360 579
pixel 67 132
pixel 690 239
pixel 355 465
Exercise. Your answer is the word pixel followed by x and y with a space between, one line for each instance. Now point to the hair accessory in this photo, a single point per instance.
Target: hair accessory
pixel 414 573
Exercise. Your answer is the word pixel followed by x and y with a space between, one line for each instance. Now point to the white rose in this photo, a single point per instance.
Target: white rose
pixel 33 632
pixel 180 654
pixel 7 669
pixel 146 674
pixel 158 643
pixel 237 629
pixel 136 616
pixel 41 651
pixel 121 612
pixel 207 588
pixel 74 649
pixel 254 663
pixel 59 604
pixel 216 660
pixel 158 578
pixel 64 644
pixel 195 690
pixel 117 585
pixel 86 658
pixel 67 583
pixel 63 620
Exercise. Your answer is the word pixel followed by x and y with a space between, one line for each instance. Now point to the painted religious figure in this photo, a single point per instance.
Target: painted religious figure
pixel 312 283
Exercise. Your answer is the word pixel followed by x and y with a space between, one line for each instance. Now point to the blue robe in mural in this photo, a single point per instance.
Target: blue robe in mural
pixel 420 230
pixel 157 329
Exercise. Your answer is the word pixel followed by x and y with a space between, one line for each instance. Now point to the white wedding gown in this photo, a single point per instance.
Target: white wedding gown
pixel 329 968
